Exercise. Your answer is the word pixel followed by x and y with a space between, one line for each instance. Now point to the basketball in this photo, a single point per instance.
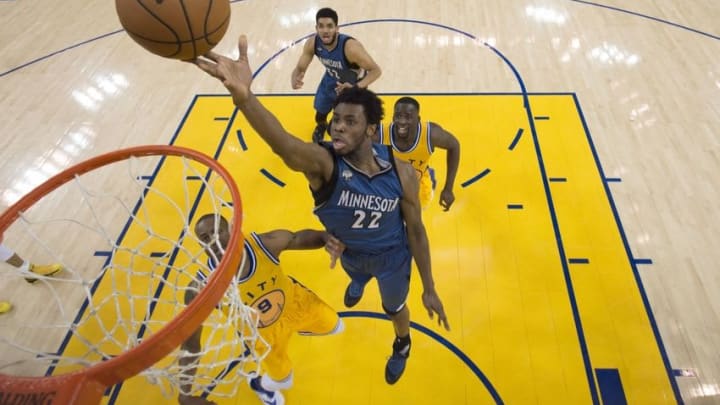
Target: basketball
pixel 178 29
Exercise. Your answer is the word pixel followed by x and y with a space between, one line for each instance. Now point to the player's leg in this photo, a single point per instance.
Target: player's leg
pixel 314 316
pixel 394 284
pixel 354 267
pixel 276 365
pixel 8 256
pixel 324 98
pixel 426 188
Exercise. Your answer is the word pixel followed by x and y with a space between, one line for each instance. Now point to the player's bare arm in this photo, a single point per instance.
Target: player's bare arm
pixel 418 240
pixel 296 78
pixel 279 240
pixel 356 53
pixel 443 139
pixel 235 75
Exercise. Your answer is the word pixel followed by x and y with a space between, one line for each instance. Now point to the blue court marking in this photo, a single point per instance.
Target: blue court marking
pixel 574 260
pixel 272 178
pixel 438 338
pixel 424 330
pixel 120 238
pixel 42 58
pixel 158 254
pixel 660 20
pixel 515 206
pixel 542 118
pixel 26 64
pixel 684 372
pixel 176 249
pixel 193 178
pixel 558 237
pixel 613 179
pixel 611 388
pixel 642 261
pixel 628 252
pixel 145 178
pixel 516 139
pixel 475 178
pixel 241 139
pixel 221 118
pixel 557 180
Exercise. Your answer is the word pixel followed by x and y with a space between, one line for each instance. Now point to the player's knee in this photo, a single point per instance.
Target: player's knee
pixel 393 312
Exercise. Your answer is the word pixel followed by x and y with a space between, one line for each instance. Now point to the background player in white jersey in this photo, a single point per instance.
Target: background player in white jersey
pixel 352 205
pixel 346 62
pixel 285 306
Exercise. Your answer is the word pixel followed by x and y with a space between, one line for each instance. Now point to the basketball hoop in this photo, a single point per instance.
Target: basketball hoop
pixel 139 341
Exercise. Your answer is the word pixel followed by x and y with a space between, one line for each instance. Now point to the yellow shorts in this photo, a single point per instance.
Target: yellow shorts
pixel 307 314
pixel 426 190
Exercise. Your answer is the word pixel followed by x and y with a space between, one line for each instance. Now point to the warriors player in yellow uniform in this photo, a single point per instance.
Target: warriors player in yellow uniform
pixel 285 306
pixel 415 142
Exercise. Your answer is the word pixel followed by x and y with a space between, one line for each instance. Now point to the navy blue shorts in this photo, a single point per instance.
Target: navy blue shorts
pixel 391 269
pixel 325 94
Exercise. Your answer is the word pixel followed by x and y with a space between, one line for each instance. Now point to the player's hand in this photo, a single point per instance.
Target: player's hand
pixel 434 306
pixel 335 247
pixel 190 400
pixel 235 75
pixel 341 86
pixel 447 198
pixel 296 81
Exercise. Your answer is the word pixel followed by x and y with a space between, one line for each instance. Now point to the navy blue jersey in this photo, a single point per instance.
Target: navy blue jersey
pixel 363 211
pixel 336 64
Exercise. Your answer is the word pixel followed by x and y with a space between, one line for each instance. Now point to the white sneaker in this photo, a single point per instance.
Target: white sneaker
pixel 267 397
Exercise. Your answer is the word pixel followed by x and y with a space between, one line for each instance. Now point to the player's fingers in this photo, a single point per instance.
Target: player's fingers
pixel 333 261
pixel 206 66
pixel 242 46
pixel 212 56
pixel 444 323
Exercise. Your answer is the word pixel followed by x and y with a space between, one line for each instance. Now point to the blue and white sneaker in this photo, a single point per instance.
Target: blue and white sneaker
pixel 396 363
pixel 353 293
pixel 266 397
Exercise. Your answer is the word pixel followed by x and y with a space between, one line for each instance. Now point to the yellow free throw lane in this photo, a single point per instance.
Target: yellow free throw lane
pixel 516 309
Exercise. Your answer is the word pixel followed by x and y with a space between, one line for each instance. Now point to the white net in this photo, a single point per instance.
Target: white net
pixel 124 235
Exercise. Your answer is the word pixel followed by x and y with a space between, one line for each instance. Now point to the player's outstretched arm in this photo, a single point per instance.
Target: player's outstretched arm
pixel 443 139
pixel 279 240
pixel 296 78
pixel 236 76
pixel 418 240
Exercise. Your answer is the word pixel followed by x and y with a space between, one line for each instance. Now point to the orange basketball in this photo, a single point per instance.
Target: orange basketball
pixel 178 29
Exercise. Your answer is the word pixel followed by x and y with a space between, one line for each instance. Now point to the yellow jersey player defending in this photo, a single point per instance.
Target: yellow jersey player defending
pixel 415 141
pixel 10 257
pixel 285 306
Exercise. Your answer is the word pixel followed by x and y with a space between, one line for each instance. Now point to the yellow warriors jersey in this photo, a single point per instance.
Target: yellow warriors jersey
pixel 418 155
pixel 284 305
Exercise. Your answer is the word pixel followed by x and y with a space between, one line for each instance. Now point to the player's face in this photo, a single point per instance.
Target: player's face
pixel 213 243
pixel 326 30
pixel 349 128
pixel 405 120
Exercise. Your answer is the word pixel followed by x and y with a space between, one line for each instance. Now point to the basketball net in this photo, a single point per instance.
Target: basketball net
pixel 121 225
